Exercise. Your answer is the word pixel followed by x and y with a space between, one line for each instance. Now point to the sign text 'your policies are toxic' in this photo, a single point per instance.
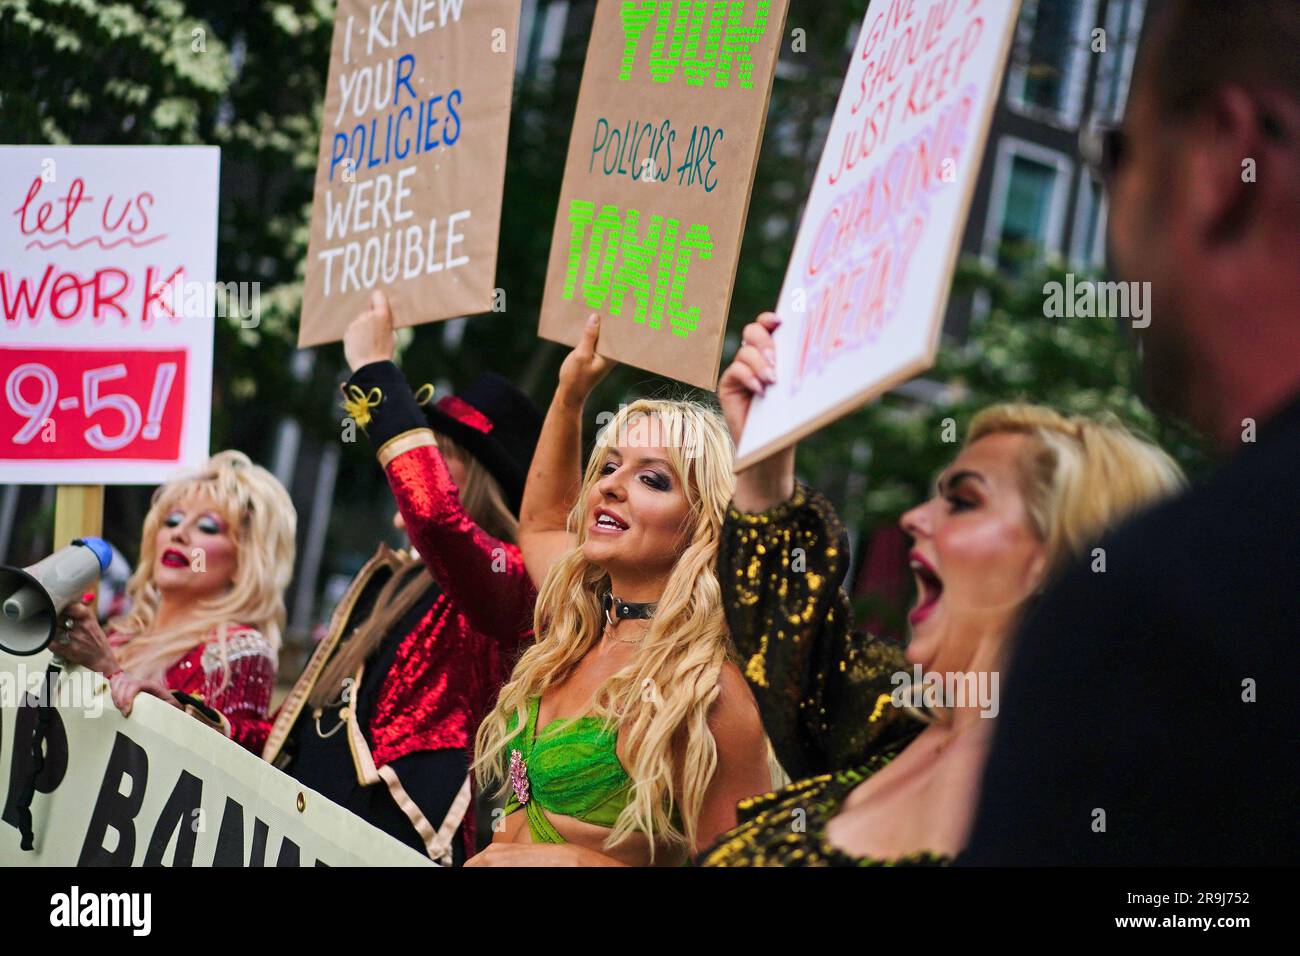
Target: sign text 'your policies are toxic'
pixel 658 176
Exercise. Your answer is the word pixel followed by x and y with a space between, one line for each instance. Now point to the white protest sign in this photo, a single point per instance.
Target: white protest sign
pixel 159 788
pixel 862 303
pixel 107 261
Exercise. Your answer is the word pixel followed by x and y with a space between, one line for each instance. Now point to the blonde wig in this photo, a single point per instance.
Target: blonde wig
pixel 1080 475
pixel 261 521
pixel 660 701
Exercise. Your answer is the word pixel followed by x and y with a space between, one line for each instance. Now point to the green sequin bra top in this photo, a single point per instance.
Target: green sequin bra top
pixel 570 768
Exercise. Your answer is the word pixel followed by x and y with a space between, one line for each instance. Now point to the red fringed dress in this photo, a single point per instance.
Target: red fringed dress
pixel 235 681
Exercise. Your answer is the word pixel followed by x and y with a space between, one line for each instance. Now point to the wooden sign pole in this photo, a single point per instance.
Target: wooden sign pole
pixel 78 511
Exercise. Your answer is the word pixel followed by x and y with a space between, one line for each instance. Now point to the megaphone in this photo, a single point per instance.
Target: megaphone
pixel 33 598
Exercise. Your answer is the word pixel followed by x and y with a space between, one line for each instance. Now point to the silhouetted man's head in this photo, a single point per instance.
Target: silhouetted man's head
pixel 1205 204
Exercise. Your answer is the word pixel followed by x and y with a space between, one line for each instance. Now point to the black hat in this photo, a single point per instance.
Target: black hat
pixel 497 424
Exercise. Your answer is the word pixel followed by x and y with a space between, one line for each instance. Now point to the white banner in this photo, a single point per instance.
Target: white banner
pixel 107 295
pixel 159 787
pixel 864 294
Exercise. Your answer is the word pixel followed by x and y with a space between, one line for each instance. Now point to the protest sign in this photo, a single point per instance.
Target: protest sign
pixel 107 261
pixel 864 294
pixel 412 162
pixel 158 788
pixel 657 181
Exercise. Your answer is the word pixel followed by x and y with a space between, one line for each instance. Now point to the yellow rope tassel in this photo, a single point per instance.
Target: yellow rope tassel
pixel 424 394
pixel 358 403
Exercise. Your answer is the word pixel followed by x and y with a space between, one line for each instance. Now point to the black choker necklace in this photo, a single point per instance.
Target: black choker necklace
pixel 616 610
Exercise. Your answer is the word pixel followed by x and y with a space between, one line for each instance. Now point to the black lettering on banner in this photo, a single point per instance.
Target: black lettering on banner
pixel 128 759
pixel 178 815
pixel 230 838
pixel 288 853
pixel 258 856
pixel 56 755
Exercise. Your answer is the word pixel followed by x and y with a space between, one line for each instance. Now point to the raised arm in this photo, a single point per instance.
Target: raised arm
pixel 483 576
pixel 822 689
pixel 770 481
pixel 556 472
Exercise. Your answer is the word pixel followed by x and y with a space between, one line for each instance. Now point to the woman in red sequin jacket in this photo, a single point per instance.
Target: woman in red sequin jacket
pixel 382 720
pixel 207 603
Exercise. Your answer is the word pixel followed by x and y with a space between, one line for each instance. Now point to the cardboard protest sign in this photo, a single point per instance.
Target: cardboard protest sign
pixel 863 299
pixel 412 162
pixel 657 181
pixel 159 788
pixel 107 261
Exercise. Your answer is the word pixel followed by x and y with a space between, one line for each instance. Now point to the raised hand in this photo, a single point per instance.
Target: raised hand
pixel 583 369
pixel 771 481
pixel 750 372
pixel 370 337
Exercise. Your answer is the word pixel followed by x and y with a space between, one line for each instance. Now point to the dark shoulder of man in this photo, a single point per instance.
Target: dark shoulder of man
pixel 1149 714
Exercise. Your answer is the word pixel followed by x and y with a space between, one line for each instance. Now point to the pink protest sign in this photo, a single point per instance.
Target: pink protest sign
pixel 864 293
pixel 107 262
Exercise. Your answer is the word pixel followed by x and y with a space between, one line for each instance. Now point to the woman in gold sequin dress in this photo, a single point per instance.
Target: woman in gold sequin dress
pixel 890 744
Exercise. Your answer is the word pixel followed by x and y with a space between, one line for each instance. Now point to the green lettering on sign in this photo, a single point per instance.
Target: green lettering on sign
pixel 700 38
pixel 617 258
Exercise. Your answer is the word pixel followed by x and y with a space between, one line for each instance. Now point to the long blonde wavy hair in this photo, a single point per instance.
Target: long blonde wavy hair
pixel 663 695
pixel 262 524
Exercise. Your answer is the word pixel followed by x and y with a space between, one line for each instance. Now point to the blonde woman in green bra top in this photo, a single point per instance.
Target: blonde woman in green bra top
pixel 627 734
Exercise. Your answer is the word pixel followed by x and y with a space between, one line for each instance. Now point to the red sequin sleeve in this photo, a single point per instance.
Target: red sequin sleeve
pixel 483 576
pixel 244 697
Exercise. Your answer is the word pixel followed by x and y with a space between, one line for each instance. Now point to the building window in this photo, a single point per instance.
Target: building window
pixel 527 16
pixel 541 34
pixel 1115 67
pixel 557 13
pixel 1088 243
pixel 1049 66
pixel 1026 204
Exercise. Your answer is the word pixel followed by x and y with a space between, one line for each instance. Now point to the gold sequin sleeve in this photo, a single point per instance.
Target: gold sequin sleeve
pixel 818 683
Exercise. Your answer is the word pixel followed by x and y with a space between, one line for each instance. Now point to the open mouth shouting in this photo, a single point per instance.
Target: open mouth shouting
pixel 174 559
pixel 607 522
pixel 929 588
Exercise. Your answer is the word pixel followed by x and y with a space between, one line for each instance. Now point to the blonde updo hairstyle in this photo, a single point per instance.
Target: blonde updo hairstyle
pixel 261 522
pixel 1080 476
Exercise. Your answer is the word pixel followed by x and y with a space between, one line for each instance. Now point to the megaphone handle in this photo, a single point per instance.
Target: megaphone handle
pixel 27 792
